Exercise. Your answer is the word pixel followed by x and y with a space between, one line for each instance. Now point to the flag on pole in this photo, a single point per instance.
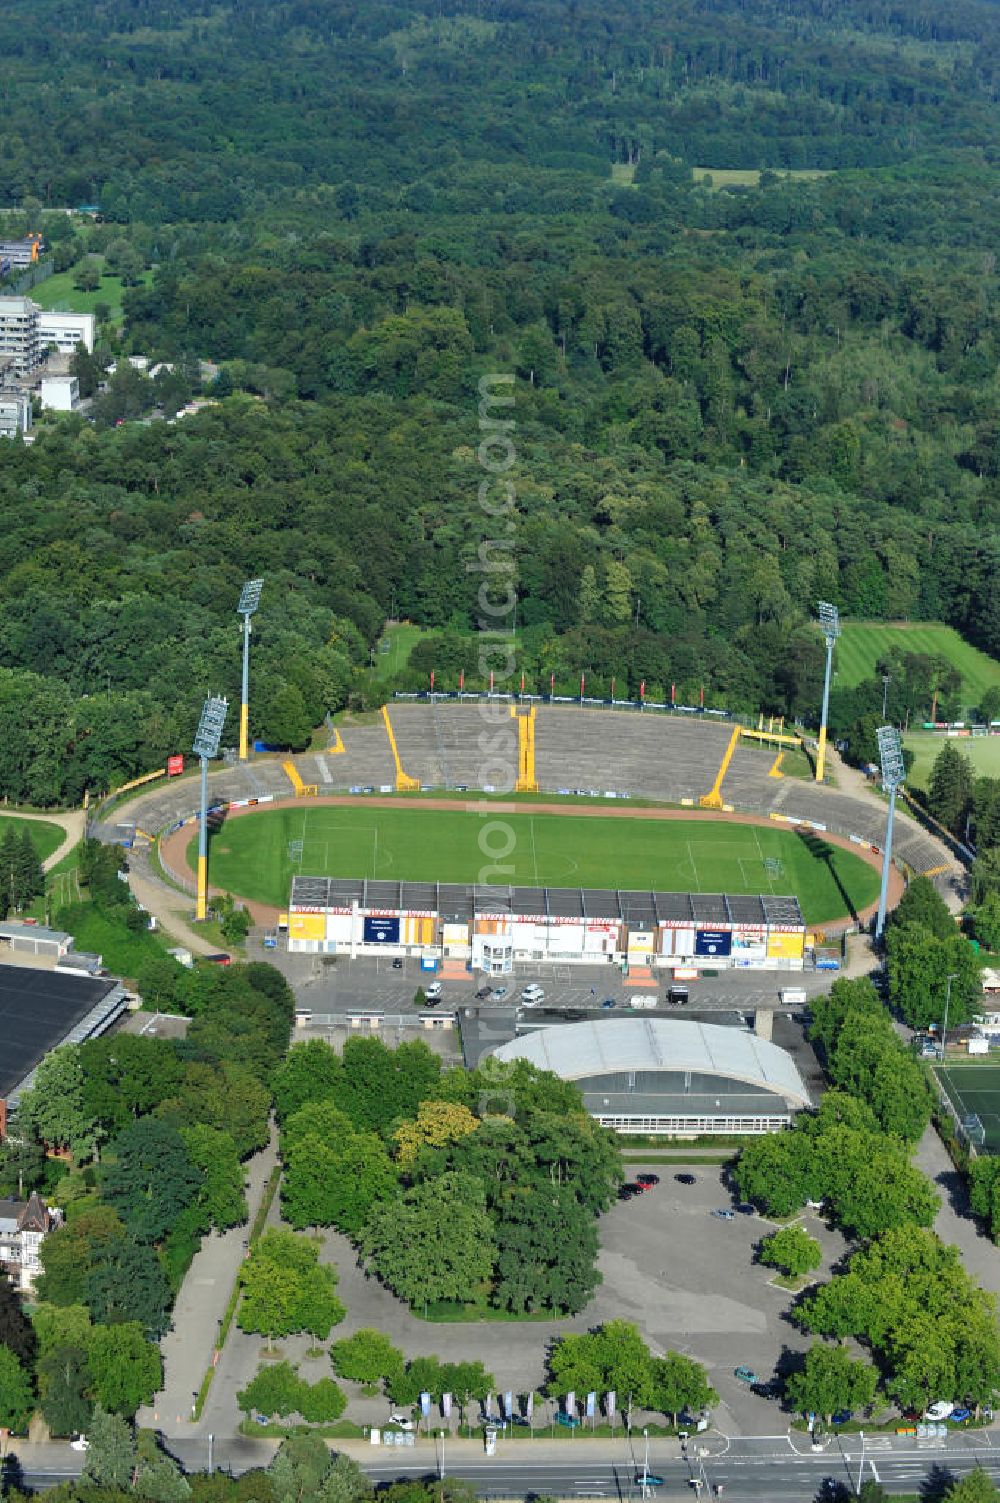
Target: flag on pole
pixel 702 692
pixel 508 1404
pixel 642 690
pixel 529 1408
pixel 571 1403
pixel 611 1403
pixel 491 680
pixel 461 680
pixel 552 683
pixel 446 1405
pixel 582 677
pixel 591 1405
pixel 432 680
pixel 612 688
pixel 522 680
pixel 425 1404
pixel 488 1406
pixel 673 694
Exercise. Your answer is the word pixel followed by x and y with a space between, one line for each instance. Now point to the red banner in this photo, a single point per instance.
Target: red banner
pixel 522 681
pixel 491 680
pixel 673 694
pixel 461 680
pixel 432 680
pixel 581 685
pixel 175 765
pixel 552 683
pixel 702 693
pixel 642 689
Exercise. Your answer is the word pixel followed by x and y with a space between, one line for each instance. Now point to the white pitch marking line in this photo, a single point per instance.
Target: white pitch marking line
pixel 324 770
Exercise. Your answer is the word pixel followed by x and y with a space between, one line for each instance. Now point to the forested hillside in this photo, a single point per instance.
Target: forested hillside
pixel 728 403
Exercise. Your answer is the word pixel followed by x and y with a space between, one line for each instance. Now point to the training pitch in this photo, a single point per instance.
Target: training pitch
pixel 975 1088
pixel 256 855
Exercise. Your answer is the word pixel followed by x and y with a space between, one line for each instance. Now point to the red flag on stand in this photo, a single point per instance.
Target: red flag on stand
pixel 642 690
pixel 461 680
pixel 552 683
pixel 702 696
pixel 432 680
pixel 491 680
pixel 522 680
pixel 673 694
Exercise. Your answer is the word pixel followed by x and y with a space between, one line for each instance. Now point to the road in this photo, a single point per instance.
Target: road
pixel 750 1471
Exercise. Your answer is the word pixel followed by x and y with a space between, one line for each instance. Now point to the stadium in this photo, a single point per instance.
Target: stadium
pixel 605 861
pixel 667 1076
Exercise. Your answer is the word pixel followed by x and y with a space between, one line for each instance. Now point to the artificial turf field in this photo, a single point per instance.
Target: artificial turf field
pixel 975 1087
pixel 256 855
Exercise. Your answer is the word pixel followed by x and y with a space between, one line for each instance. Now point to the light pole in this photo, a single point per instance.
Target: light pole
pixel 890 752
pixel 829 622
pixel 885 695
pixel 248 603
pixel 211 1438
pixel 947 1004
pixel 861 1467
pixel 645 1464
pixel 206 746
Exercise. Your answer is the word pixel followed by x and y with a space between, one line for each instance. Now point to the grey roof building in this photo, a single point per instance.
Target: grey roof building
pixel 669 1076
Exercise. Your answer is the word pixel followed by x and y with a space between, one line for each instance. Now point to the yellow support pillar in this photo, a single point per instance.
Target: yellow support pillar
pixel 713 799
pixel 404 783
pixel 526 781
pixel 201 906
pixel 244 731
pixel 821 754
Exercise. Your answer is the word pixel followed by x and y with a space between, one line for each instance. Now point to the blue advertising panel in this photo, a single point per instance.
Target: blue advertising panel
pixel 381 931
pixel 713 942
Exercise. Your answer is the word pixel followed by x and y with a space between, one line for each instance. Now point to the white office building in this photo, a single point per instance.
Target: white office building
pixel 15 414
pixel 66 330
pixel 19 342
pixel 60 393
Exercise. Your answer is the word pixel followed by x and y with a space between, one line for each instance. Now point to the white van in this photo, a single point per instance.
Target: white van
pixel 793 996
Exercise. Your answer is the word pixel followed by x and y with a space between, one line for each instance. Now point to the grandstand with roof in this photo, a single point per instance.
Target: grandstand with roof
pixel 669 1077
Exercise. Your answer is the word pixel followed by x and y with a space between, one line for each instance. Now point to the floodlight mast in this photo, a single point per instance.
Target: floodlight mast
pixel 248 603
pixel 829 621
pixel 890 752
pixel 206 746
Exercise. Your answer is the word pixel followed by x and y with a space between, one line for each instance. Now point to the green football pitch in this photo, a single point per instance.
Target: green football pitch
pixel 256 855
pixel 862 643
pixel 975 1088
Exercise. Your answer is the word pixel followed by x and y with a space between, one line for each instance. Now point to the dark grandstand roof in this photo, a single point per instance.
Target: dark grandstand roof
pixel 639 909
pixel 39 1010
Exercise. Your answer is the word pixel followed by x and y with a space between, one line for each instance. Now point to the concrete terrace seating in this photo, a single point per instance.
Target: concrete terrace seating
pixel 648 755
pixel 440 743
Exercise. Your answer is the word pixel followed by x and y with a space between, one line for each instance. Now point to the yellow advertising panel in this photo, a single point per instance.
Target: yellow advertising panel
pixel 307 926
pixel 785 946
pixel 456 934
pixel 418 931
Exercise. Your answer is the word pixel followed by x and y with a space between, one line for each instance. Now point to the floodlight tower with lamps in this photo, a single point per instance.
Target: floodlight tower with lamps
pixel 947 1004
pixel 249 601
pixel 206 746
pixel 890 750
pixel 829 622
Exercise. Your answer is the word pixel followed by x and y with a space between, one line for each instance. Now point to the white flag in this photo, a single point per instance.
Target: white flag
pixel 530 1406
pixel 425 1404
pixel 610 1403
pixel 508 1404
pixel 591 1405
pixel 446 1405
pixel 571 1403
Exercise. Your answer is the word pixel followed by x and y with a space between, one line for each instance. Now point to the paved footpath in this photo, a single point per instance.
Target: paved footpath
pixel 189 1345
pixel 955 1222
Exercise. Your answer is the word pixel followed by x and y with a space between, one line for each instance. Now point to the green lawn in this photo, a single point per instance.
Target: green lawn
pixel 45 838
pixel 982 751
pixel 862 642
pixel 58 292
pixel 255 856
pixel 748 177
pixel 124 953
pixel 393 651
pixel 975 1087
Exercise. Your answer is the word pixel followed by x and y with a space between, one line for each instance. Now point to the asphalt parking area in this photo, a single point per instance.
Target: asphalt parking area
pixel 689 1281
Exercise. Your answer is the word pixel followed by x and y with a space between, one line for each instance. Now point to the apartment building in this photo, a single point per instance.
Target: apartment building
pixel 19 336
pixel 15 413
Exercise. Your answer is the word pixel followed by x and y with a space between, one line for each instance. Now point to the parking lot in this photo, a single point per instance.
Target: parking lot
pixel 688 1280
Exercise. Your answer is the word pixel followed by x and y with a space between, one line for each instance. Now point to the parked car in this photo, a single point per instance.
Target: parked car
pixel 500 993
pixel 648 1479
pixel 569 1421
pixel 746 1208
pixel 724 1214
pixel 745 1375
pixel 80 1444
pixel 433 992
pixel 219 957
pixel 686 1179
pixel 483 993
pixel 842 1417
pixel 959 1415
pixel 941 1410
pixel 608 1003
pixel 647 1181
pixel 629 1192
pixel 403 1421
pixel 533 994
pixel 397 963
